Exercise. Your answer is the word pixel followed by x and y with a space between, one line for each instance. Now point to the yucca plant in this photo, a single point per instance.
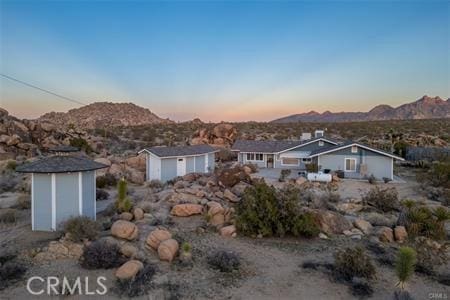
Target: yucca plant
pixel 405 265
pixel 408 204
pixel 123 203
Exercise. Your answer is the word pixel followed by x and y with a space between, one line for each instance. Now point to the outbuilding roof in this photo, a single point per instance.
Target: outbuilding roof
pixel 60 164
pixel 64 148
pixel 180 150
pixel 272 146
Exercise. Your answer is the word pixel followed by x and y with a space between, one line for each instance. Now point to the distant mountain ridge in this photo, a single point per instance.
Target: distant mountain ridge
pixel 101 114
pixel 424 108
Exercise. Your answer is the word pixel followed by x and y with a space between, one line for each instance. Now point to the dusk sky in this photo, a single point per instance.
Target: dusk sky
pixel 230 60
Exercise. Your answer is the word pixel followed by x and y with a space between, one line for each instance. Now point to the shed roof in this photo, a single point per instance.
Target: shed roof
pixel 180 150
pixel 60 164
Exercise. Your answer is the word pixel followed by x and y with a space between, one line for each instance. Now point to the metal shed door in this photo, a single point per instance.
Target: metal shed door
pixel 181 166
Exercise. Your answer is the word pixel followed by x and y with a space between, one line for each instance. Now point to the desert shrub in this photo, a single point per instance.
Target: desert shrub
pixel 81 228
pixel 101 255
pixel 429 255
pixel 101 195
pixel 123 203
pixel 106 181
pixel 8 216
pixel 225 155
pixel 229 177
pixel 224 261
pixel 138 285
pixel 81 144
pixel 11 165
pixel 439 174
pixel 155 184
pixel 386 179
pixel 312 168
pixel 385 200
pixel 353 262
pixel 283 174
pixel 265 211
pixel 404 266
pixel 186 247
pixel 422 221
pixel 11 270
pixel 360 287
pixel 372 179
pixel 24 202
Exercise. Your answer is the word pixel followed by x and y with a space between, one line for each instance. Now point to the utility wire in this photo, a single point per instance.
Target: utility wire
pixel 41 89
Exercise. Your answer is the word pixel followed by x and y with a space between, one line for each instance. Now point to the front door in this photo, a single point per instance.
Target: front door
pixel 181 166
pixel 270 160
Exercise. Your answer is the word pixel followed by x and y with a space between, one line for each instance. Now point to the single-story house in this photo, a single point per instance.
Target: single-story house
pixel 166 163
pixel 62 186
pixel 354 159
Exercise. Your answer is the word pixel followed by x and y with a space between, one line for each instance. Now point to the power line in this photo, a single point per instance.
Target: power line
pixel 41 89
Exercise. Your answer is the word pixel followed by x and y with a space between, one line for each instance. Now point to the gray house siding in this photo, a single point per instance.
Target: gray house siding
pixel 42 198
pixel 377 164
pixel 200 163
pixel 211 162
pixel 168 168
pixel 66 197
pixel 190 164
pixel 88 194
pixel 313 146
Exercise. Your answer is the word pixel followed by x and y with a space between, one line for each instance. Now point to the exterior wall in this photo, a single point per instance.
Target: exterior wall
pixel 168 168
pixel 42 202
pixel 190 164
pixel 199 163
pixel 88 193
pixel 211 162
pixel 153 167
pixel 377 164
pixel 67 197
pixel 241 157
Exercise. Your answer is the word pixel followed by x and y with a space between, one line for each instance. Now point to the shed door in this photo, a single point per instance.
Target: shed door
pixel 181 166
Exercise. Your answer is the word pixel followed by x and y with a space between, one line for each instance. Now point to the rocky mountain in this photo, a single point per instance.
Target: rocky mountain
pixel 104 114
pixel 424 108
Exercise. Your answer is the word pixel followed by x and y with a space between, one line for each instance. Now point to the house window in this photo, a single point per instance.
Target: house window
pixel 320 143
pixel 306 160
pixel 354 149
pixel 350 165
pixel 255 157
pixel 287 161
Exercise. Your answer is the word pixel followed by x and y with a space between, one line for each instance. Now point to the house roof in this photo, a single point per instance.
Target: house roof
pixel 272 146
pixel 60 164
pixel 180 150
pixel 347 144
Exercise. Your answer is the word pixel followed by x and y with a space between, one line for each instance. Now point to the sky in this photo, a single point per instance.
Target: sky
pixel 223 60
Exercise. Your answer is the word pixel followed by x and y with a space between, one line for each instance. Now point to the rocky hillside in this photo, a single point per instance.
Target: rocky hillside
pixel 104 114
pixel 424 108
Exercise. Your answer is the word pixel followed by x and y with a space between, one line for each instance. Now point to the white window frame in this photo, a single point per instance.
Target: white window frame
pixel 354 149
pixel 321 143
pixel 345 164
pixel 290 165
pixel 254 155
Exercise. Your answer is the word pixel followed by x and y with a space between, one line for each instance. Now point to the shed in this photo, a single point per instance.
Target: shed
pixel 165 163
pixel 62 186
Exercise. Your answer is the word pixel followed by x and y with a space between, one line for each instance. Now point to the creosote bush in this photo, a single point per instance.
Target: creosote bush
pixel 265 211
pixel 405 264
pixel 224 261
pixel 385 200
pixel 138 285
pixel 8 216
pixel 101 255
pixel 106 180
pixel 101 195
pixel 422 221
pixel 11 270
pixel 81 228
pixel 353 262
pixel 284 174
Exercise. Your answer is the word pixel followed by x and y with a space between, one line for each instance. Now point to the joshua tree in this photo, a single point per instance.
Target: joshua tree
pixel 405 264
